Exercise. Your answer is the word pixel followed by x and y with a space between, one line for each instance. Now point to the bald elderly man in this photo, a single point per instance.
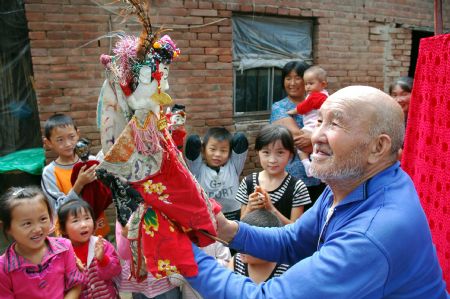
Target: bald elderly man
pixel 365 237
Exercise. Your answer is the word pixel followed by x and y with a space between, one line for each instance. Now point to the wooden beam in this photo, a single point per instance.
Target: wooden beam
pixel 438 17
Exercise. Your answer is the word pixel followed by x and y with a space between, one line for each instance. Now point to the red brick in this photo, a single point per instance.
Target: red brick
pixel 206 36
pixel 34 16
pixel 212 28
pixel 247 8
pixel 189 20
pixel 224 13
pixel 226 58
pixel 271 10
pixel 219 66
pixel 233 6
pixel 219 5
pixel 191 3
pixel 38 52
pixel 49 60
pixel 203 58
pixel 205 43
pixel 173 11
pixel 218 51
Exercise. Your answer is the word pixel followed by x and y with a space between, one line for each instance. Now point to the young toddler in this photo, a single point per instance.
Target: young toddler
pixel 98 256
pixel 315 79
pixel 35 265
pixel 224 158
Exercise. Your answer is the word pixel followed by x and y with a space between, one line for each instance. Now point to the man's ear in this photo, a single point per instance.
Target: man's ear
pixel 380 147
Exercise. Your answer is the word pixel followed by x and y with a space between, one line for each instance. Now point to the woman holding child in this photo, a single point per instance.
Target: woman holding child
pixel 294 85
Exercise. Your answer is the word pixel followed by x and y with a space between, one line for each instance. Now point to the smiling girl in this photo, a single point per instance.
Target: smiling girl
pixel 274 188
pixel 34 265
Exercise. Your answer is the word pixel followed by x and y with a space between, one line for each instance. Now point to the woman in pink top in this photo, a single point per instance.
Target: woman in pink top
pixel 35 265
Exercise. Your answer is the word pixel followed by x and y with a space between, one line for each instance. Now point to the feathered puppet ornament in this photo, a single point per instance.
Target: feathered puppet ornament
pixel 155 195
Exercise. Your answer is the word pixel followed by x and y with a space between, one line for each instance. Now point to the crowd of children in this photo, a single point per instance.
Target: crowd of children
pixel 80 264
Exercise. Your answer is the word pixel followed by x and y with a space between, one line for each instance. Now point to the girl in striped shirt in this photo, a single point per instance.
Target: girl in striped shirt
pixel 274 189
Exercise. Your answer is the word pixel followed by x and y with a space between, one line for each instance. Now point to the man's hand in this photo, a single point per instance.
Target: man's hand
pixel 226 229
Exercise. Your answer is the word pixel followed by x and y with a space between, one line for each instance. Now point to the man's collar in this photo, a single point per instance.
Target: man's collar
pixel 379 180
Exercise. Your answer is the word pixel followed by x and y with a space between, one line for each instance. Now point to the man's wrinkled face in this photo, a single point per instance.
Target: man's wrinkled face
pixel 340 141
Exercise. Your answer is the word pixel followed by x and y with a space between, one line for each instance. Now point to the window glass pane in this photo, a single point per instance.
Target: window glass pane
pixel 278 90
pixel 251 92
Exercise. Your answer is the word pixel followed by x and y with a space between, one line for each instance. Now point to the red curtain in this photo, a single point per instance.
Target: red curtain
pixel 426 155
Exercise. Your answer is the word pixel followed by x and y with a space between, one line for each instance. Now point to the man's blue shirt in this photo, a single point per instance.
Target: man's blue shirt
pixel 376 244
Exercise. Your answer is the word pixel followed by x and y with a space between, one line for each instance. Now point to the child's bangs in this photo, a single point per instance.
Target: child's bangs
pixel 77 211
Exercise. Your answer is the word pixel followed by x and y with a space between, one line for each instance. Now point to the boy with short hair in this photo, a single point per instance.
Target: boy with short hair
pixel 256 269
pixel 315 79
pixel 61 136
pixel 224 158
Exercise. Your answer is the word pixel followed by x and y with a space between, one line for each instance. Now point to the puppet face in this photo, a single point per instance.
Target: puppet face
pixel 142 96
pixel 177 119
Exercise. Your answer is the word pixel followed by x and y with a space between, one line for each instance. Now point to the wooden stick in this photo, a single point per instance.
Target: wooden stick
pixel 214 238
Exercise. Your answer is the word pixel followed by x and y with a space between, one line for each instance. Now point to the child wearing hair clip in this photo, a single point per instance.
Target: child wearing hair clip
pixel 35 265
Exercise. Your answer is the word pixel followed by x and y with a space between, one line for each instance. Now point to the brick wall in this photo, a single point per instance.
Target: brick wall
pixel 357 42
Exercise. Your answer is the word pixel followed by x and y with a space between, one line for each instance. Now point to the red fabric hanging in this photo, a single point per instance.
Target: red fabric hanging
pixel 97 195
pixel 426 155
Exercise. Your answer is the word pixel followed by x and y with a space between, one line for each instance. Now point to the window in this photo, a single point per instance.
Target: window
pixel 261 47
pixel 259 86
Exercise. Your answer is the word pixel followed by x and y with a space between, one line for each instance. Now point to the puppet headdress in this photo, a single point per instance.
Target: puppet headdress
pixel 131 53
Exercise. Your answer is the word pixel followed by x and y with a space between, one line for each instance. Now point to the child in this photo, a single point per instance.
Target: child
pixel 315 79
pixel 225 157
pixel 98 256
pixel 257 269
pixel 35 265
pixel 61 136
pixel 286 195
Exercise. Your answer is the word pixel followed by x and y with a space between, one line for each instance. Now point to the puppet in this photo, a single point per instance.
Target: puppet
pixel 153 191
pixel 177 118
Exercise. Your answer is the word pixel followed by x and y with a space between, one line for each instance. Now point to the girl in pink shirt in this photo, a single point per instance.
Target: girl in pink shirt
pixel 98 256
pixel 35 265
